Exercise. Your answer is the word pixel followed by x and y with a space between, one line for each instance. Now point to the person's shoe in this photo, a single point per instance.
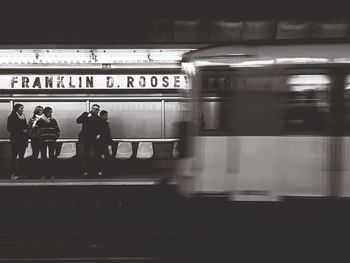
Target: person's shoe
pixel 52 177
pixel 43 177
pixel 99 173
pixel 14 177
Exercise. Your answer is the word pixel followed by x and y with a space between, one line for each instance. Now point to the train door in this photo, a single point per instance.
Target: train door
pixel 205 170
pixel 237 116
pixel 256 114
pixel 281 129
pixel 306 144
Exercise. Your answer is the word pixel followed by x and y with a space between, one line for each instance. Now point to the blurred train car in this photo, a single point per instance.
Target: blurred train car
pixel 142 89
pixel 270 122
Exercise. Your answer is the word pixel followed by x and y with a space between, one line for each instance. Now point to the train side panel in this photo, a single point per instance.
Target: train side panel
pixel 305 167
pixel 257 168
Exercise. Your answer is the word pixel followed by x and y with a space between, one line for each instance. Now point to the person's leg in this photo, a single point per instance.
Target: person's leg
pixel 97 151
pixel 21 152
pixel 52 146
pixel 107 161
pixel 51 161
pixel 35 148
pixel 86 157
pixel 43 161
pixel 14 153
pixel 35 143
pixel 43 150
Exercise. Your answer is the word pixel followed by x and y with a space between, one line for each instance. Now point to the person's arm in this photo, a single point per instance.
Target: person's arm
pixel 110 141
pixel 25 128
pixel 34 130
pixel 9 123
pixel 38 127
pixel 57 130
pixel 100 129
pixel 108 135
pixel 82 118
pixel 30 123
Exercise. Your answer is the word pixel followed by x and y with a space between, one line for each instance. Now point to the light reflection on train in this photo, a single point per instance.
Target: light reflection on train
pixel 270 122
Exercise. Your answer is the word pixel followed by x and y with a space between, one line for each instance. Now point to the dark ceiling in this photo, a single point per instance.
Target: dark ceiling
pixel 103 21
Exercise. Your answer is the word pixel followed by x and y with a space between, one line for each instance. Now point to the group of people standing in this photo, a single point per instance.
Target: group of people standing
pixel 43 131
pixel 95 134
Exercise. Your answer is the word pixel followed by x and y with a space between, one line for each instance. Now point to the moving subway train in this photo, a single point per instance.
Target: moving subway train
pixel 270 122
pixel 142 89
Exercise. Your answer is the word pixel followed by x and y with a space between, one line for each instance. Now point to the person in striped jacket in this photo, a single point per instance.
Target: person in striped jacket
pixel 48 132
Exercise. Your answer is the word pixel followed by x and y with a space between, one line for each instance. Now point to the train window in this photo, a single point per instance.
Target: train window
pixel 174 112
pixel 257 108
pixel 139 119
pixel 264 104
pixel 65 113
pixel 5 110
pixel 209 118
pixel 308 104
pixel 241 104
pixel 216 99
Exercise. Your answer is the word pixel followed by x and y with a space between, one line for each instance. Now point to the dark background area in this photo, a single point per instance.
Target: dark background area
pixel 104 22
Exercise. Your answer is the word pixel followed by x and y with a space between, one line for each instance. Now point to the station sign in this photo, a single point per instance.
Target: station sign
pixel 98 81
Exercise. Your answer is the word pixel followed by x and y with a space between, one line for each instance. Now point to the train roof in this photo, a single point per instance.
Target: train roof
pixel 260 55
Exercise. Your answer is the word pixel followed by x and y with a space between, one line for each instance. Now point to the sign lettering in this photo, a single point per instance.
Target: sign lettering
pixel 147 81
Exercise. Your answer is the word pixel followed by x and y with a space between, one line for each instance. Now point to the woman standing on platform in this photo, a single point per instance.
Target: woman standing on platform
pixel 18 128
pixel 34 140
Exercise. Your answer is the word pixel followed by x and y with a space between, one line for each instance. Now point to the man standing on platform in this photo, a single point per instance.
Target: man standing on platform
pixel 90 136
pixel 48 132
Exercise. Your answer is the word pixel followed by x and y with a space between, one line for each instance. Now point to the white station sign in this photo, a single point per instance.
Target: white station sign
pixel 47 82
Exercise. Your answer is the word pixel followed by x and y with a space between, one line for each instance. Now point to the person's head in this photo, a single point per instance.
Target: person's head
pixel 18 108
pixel 104 115
pixel 48 112
pixel 38 110
pixel 95 108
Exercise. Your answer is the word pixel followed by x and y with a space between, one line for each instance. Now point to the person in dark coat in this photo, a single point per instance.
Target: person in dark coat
pixel 90 135
pixel 18 128
pixel 48 132
pixel 106 139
